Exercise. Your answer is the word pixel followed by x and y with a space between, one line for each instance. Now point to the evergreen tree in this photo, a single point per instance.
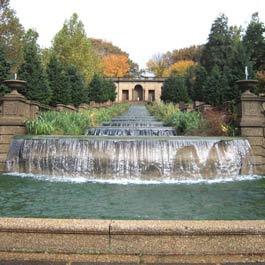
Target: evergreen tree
pixel 216 85
pixel 175 90
pixel 196 83
pixel 79 93
pixel 31 70
pixel 4 72
pixel 110 89
pixel 254 42
pixel 224 60
pixel 95 92
pixel 219 46
pixel 59 83
pixel 101 90
pixel 168 90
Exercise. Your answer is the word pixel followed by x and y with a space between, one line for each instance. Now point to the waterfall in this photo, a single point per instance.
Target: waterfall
pixel 132 146
pixel 145 158
pixel 136 131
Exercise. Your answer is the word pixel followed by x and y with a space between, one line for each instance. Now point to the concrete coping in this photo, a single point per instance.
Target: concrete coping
pixel 61 226
pixel 131 227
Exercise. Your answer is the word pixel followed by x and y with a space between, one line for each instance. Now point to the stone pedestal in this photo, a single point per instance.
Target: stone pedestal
pixel 14 109
pixel 251 122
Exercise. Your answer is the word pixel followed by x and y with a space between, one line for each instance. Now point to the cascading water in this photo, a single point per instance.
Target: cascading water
pixel 146 153
pixel 130 158
pixel 135 122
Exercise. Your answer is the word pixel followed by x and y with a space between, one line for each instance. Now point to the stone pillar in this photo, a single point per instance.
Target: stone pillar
pixel 146 94
pixel 14 110
pixel 252 126
pixel 158 92
pixel 131 93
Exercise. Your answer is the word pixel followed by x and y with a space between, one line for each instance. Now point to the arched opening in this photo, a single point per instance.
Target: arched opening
pixel 138 93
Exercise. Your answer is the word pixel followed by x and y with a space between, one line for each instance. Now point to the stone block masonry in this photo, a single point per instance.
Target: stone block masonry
pixel 7 132
pixel 14 110
pixel 252 126
pixel 130 242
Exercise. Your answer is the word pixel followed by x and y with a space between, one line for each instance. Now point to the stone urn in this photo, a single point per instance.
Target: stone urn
pixel 14 85
pixel 245 85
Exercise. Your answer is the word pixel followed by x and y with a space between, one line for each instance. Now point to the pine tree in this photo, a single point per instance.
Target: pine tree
pixel 254 42
pixel 219 46
pixel 31 70
pixel 175 90
pixel 59 84
pixel 79 93
pixel 223 59
pixel 217 87
pixel 110 89
pixel 95 92
pixel 196 83
pixel 101 90
pixel 168 90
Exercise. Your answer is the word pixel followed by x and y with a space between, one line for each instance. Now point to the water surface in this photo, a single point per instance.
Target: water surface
pixel 31 197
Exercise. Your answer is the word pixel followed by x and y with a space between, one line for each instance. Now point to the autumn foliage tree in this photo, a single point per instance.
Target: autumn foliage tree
pixel 180 68
pixel 158 65
pixel 115 65
pixel 192 53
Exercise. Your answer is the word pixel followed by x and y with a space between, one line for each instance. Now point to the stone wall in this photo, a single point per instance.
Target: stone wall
pixel 131 242
pixel 14 110
pixel 252 126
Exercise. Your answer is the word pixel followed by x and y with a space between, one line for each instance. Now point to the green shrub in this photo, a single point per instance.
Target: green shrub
pixel 162 111
pixel 52 122
pixel 184 122
pixel 97 116
pixel 72 123
pixel 39 126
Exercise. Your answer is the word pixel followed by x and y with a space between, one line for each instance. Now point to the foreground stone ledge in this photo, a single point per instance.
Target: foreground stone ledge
pixel 187 227
pixel 163 238
pixel 62 226
pixel 76 259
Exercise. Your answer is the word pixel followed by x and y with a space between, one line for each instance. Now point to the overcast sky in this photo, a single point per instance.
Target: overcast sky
pixel 142 28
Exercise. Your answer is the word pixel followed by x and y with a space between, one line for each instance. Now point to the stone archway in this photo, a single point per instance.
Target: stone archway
pixel 138 93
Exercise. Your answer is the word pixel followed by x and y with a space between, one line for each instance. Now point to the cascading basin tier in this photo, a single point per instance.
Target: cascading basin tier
pixel 154 158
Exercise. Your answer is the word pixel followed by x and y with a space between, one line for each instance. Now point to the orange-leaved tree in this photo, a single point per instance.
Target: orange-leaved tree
pixel 180 68
pixel 115 65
